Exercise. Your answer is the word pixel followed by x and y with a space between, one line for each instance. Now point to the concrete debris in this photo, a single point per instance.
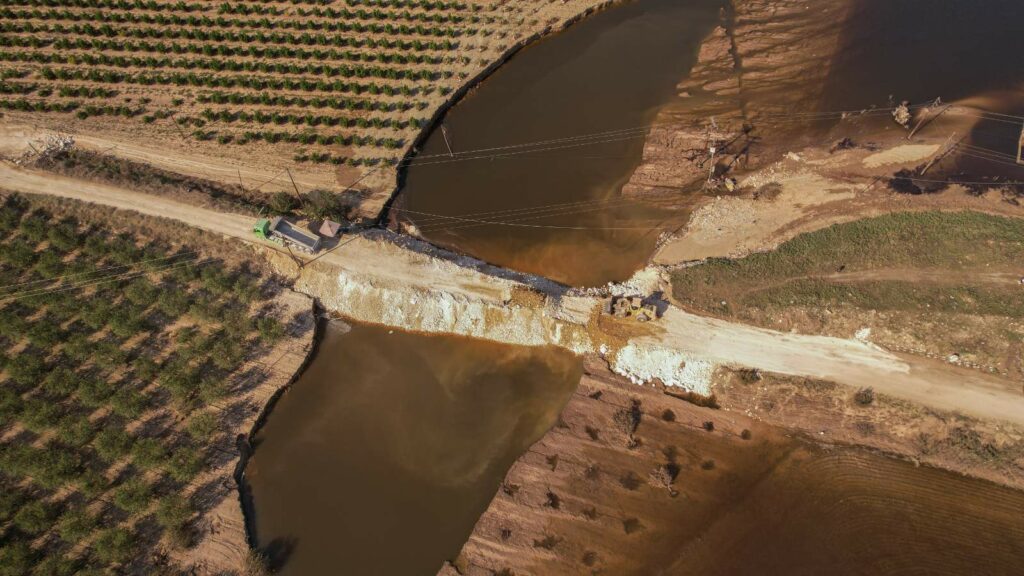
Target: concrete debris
pixel 51 146
pixel 902 114
pixel 643 363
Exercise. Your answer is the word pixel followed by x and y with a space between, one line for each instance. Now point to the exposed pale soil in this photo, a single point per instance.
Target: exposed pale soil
pixel 382 279
pixel 814 188
pixel 828 413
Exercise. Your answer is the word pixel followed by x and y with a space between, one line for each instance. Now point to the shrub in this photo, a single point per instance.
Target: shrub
pixel 75 524
pixel 133 496
pixel 55 565
pixel 270 329
pixel 113 546
pixel 92 483
pixel 112 443
pixel 283 203
pixel 321 204
pixel 33 518
pixel 60 382
pixel 75 430
pixel 185 463
pixel 128 403
pixel 865 396
pixel 16 557
pixel 148 453
pixel 202 426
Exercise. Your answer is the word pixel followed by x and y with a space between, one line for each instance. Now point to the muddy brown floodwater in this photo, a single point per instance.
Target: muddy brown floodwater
pixel 558 204
pixel 382 456
pixel 850 512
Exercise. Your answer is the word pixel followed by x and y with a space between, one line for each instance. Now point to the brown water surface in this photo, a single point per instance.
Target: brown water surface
pixel 559 205
pixel 850 512
pixel 382 456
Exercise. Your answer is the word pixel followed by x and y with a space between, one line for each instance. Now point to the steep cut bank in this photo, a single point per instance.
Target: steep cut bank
pixel 522 175
pixel 633 481
pixel 762 63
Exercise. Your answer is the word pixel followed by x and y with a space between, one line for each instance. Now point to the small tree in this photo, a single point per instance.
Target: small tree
pixel 55 565
pixel 283 203
pixel 92 483
pixel 113 546
pixel 320 204
pixel 112 443
pixel 202 426
pixel 75 524
pixel 270 329
pixel 185 463
pixel 75 430
pixel 865 396
pixel 148 453
pixel 173 514
pixel 133 496
pixel 33 518
pixel 255 564
pixel 16 558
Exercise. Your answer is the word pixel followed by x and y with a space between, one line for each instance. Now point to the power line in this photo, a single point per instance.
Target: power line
pixel 66 276
pixel 516 225
pixel 599 137
pixel 92 282
pixel 548 214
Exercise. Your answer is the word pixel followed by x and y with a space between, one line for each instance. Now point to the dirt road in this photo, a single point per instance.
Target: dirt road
pixel 382 282
pixel 920 380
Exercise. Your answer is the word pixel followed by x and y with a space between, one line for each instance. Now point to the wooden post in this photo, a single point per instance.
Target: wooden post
pixel 444 133
pixel 240 179
pixel 1020 146
pixel 942 153
pixel 297 195
pixel 925 119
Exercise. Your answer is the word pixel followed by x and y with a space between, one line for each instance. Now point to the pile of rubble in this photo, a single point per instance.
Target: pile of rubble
pixel 51 146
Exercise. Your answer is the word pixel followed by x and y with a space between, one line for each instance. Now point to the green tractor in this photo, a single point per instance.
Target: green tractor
pixel 282 232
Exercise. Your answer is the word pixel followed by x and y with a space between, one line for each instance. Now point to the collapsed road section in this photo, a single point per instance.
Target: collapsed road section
pixel 381 278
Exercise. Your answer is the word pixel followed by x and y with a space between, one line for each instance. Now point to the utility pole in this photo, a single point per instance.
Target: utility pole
pixel 942 153
pixel 297 195
pixel 444 133
pixel 925 118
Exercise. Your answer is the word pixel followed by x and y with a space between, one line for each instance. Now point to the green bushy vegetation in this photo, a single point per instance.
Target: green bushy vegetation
pixel 802 271
pixel 115 358
pixel 86 57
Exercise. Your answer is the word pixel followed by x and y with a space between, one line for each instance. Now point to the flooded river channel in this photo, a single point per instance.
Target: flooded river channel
pixel 555 208
pixel 387 450
pixel 382 456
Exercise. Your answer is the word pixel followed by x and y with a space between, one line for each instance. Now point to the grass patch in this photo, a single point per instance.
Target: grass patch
pixel 791 275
